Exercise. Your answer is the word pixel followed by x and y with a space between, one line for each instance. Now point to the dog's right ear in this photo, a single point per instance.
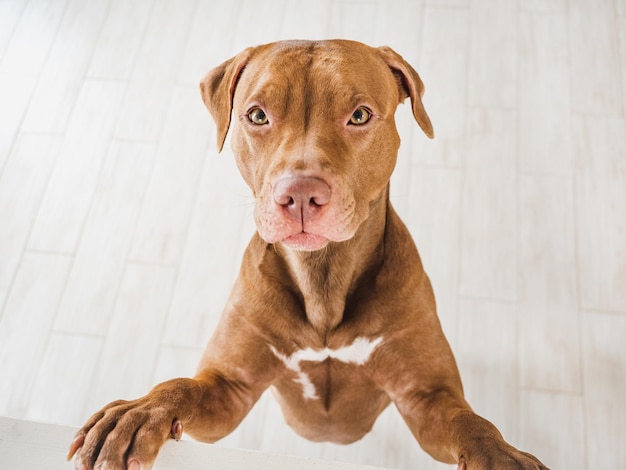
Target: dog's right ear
pixel 218 88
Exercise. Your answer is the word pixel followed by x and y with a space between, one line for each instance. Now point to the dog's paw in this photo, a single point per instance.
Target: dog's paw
pixel 501 457
pixel 124 435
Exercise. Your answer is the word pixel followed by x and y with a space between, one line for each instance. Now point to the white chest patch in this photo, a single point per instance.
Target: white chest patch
pixel 357 353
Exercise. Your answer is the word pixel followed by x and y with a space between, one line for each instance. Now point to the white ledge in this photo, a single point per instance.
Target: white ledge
pixel 29 445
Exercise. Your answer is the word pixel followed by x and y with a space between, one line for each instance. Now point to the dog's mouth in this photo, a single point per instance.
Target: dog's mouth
pixel 305 241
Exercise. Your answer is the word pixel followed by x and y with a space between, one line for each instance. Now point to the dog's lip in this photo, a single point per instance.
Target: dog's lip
pixel 304 241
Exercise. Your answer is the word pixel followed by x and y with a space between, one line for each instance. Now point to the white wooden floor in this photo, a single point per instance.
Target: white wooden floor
pixel 121 229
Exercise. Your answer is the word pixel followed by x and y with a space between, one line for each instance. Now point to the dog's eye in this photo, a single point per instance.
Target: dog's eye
pixel 257 116
pixel 360 116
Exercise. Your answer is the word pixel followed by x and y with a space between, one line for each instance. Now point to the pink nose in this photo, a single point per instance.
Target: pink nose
pixel 301 197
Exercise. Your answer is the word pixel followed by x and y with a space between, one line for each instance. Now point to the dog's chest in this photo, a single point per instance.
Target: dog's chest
pixel 302 361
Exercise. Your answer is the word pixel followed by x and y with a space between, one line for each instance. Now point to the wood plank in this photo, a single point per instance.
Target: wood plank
pixel 25 326
pixel 15 94
pixel 433 217
pixel 448 3
pixel 210 39
pixel 443 67
pixel 10 13
pixel 169 200
pixel 105 239
pixel 407 18
pixel 548 314
pixel 74 178
pixel 221 225
pixel 36 25
pixel 45 444
pixel 347 22
pixel 489 207
pixel 604 360
pixel 306 20
pixel 64 377
pixel 62 77
pixel 545 141
pixel 115 52
pixel 492 73
pixel 22 185
pixel 486 352
pixel 246 31
pixel 562 449
pixel 595 58
pixel 150 91
pixel 133 336
pixel 600 152
pixel 543 6
pixel 622 39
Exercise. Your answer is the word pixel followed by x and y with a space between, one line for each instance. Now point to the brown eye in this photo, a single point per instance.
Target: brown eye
pixel 360 116
pixel 257 116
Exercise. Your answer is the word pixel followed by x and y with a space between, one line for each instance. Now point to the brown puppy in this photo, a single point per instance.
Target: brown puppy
pixel 332 307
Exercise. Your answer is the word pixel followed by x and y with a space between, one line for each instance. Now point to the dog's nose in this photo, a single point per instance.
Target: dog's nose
pixel 301 197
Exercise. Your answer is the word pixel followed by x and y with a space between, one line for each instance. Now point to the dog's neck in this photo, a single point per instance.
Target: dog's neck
pixel 325 278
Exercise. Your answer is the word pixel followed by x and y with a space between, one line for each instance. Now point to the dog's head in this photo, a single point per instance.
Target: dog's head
pixel 313 132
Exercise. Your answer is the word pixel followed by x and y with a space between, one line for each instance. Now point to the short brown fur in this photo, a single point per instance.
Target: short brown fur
pixel 336 272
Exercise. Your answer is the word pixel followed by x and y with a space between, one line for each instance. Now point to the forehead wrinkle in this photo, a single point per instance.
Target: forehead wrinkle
pixel 309 86
pixel 271 92
pixel 354 78
pixel 295 60
pixel 288 90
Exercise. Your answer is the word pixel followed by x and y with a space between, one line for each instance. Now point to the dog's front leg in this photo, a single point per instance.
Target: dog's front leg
pixel 235 370
pixel 129 434
pixel 447 428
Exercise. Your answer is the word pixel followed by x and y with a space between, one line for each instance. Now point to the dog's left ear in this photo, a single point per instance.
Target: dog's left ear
pixel 218 88
pixel 411 85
